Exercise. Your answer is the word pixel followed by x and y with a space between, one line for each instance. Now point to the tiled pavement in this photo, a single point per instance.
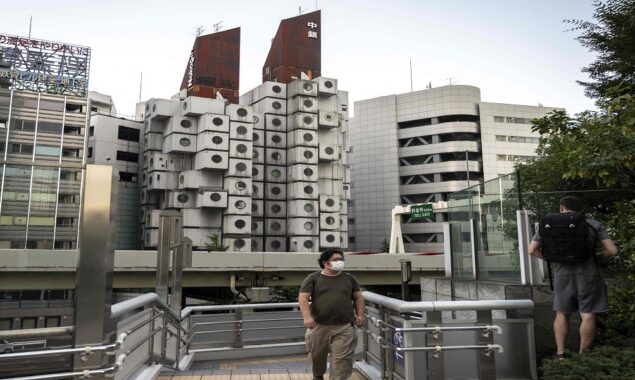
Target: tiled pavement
pixel 279 368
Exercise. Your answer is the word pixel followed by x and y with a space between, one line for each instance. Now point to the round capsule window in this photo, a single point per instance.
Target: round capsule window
pixel 254 208
pixel 308 207
pixel 308 154
pixel 308 172
pixel 217 158
pixel 150 180
pixel 240 185
pixel 276 208
pixel 254 226
pixel 154 108
pixel 276 139
pixel 276 122
pixel 330 220
pixel 185 141
pixel 215 197
pixel 328 150
pixel 277 89
pixel 184 105
pixel 275 173
pixel 254 189
pixel 275 244
pixel 308 103
pixel 254 172
pixel 275 190
pixel 330 238
pixel 241 112
pixel 308 244
pixel 240 204
pixel 307 120
pixel 241 148
pixel 276 105
pixel 152 162
pixel 241 166
pixel 276 226
pixel 217 140
pixel 255 154
pixel 308 189
pixel 276 156
pixel 255 136
pixel 239 243
pixel 256 119
pixel 147 107
pixel 330 202
pixel 182 198
pixel 328 84
pixel 217 121
pixel 241 130
pixel 307 87
pixel 307 137
pixel 308 226
pixel 240 224
pixel 185 123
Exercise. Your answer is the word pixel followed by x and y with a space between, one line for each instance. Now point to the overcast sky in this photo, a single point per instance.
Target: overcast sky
pixel 515 51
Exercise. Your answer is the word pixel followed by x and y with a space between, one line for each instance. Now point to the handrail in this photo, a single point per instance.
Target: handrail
pixel 83 374
pixel 36 333
pixel 404 306
pixel 119 309
pixel 112 347
pixel 189 310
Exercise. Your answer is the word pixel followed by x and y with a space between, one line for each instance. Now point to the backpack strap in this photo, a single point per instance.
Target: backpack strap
pixel 593 244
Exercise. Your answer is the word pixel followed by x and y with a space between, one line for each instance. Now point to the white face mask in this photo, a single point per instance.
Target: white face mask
pixel 337 265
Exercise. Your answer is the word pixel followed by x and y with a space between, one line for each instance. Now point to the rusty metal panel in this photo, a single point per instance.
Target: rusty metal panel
pixel 296 48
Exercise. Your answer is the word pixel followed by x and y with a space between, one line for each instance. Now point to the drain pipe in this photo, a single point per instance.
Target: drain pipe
pixel 232 286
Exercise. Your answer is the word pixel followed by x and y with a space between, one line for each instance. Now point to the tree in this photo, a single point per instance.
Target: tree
pixel 215 244
pixel 612 37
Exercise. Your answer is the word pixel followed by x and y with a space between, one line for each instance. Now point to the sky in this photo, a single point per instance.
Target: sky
pixel 515 51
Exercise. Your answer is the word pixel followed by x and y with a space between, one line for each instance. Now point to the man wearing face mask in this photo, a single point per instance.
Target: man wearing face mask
pixel 336 307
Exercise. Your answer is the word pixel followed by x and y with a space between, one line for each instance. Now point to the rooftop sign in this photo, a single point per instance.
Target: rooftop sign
pixel 44 66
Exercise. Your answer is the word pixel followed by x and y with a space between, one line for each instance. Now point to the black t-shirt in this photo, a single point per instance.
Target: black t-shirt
pixel 331 297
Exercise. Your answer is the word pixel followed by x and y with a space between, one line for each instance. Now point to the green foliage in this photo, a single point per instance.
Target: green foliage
pixel 215 245
pixel 285 294
pixel 612 38
pixel 385 246
pixel 601 363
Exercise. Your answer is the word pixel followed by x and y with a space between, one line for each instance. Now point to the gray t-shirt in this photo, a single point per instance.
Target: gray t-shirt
pixel 587 267
pixel 331 297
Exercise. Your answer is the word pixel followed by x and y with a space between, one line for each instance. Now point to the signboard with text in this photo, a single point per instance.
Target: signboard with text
pixel 43 66
pixel 420 212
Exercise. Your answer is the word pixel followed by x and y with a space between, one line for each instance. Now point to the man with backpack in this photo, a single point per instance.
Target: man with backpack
pixel 568 242
pixel 330 318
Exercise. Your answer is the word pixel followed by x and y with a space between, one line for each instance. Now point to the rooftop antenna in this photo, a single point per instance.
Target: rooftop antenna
pixel 429 86
pixel 451 82
pixel 301 10
pixel 199 30
pixel 30 24
pixel 410 75
pixel 140 86
pixel 218 26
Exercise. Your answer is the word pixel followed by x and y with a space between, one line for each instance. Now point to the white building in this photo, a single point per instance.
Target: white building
pixel 418 147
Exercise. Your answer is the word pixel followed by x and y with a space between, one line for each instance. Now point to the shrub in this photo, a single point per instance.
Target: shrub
pixel 602 362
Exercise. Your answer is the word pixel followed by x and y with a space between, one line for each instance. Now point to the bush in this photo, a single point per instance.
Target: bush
pixel 602 362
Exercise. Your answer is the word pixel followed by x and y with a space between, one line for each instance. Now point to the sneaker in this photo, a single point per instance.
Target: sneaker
pixel 318 377
pixel 560 356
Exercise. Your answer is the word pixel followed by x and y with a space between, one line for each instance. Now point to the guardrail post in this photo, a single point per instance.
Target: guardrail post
pixel 365 337
pixel 93 281
pixel 436 362
pixel 486 358
pixel 383 356
pixel 164 336
pixel 151 342
pixel 238 323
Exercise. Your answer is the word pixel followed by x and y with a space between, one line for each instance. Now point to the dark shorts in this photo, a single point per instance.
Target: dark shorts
pixel 579 292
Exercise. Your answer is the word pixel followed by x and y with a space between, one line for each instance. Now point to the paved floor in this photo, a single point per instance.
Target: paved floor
pixel 279 368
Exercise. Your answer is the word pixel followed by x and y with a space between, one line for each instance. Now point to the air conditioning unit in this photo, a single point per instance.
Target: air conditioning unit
pixel 180 199
pixel 179 162
pixel 343 239
pixel 331 187
pixel 302 87
pixel 258 190
pixel 258 137
pixel 329 239
pixel 328 153
pixel 302 209
pixel 160 109
pixel 212 141
pixel 213 123
pixel 269 90
pixel 211 199
pixel 196 179
pixel 275 139
pixel 240 131
pixel 328 119
pixel 148 198
pixel 257 208
pixel 241 113
pixel 202 218
pixel 179 143
pixel 304 244
pixel 181 124
pixel 161 181
pixel 327 86
pixel 259 121
pixel 302 155
pixel 302 137
pixel 238 186
pixel 276 174
pixel 275 227
pixel 241 149
pixel 153 141
pixel 238 244
pixel 329 221
pixel 343 207
pixel 275 191
pixel 276 209
pixel 302 104
pixel 271 106
pixel 303 226
pixel 275 244
pixel 275 123
pixel 239 168
pixel 154 161
pixel 211 160
pixel 257 244
pixel 197 106
pixel 329 203
pixel 238 205
pixel 302 190
pixel 301 120
pixel 237 224
pixel 300 172
pixel 331 171
pixel 276 156
pixel 258 172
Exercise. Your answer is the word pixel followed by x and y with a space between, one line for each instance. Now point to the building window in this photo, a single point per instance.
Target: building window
pixel 127 156
pixel 91 131
pixel 127 177
pixel 501 138
pixel 90 151
pixel 128 134
pixel 65 222
pixel 351 220
pixel 512 120
pixel 351 239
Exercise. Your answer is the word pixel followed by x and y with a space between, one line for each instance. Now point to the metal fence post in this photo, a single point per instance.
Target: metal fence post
pixel 486 360
pixel 238 316
pixel 170 233
pixel 93 280
pixel 436 363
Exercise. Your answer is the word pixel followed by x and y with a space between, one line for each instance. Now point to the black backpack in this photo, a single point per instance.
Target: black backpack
pixel 566 238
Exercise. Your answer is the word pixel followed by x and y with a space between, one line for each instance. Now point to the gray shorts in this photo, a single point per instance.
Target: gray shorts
pixel 579 292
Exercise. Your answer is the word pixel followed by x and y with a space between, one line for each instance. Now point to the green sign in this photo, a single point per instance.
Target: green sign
pixel 419 212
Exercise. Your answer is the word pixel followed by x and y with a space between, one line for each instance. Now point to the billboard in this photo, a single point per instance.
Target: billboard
pixel 44 66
